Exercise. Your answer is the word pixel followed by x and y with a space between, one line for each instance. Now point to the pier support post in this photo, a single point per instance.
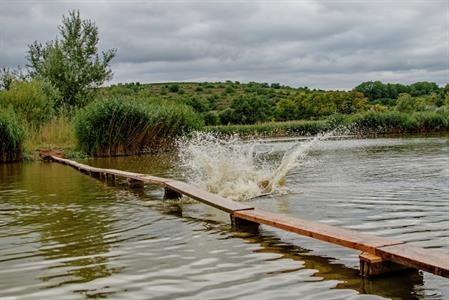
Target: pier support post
pixel 83 171
pixel 95 174
pixel 373 265
pixel 135 184
pixel 171 194
pixel 243 225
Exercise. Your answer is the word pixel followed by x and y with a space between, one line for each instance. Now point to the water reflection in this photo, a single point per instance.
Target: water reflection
pixel 70 234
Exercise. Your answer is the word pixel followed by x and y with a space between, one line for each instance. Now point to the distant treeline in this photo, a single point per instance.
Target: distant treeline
pixel 231 102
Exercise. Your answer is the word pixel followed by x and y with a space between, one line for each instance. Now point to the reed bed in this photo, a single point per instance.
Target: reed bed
pixel 110 127
pixel 11 137
pixel 398 122
pixel 363 123
pixel 301 127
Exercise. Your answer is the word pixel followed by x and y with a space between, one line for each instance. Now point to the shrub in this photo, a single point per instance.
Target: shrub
pixel 250 109
pixel 11 136
pixel 197 103
pixel 227 116
pixel 211 118
pixel 116 127
pixel 174 88
pixel 405 103
pixel 33 101
pixel 432 121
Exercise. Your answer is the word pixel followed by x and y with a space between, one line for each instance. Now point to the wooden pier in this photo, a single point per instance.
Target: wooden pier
pixel 379 255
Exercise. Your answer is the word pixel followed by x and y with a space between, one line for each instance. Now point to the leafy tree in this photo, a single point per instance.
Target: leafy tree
pixel 377 90
pixel 423 88
pixel 72 63
pixel 405 103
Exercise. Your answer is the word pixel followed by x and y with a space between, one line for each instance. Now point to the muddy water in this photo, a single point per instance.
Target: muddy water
pixel 64 235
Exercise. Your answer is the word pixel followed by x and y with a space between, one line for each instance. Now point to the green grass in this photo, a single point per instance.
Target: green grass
pixel 57 133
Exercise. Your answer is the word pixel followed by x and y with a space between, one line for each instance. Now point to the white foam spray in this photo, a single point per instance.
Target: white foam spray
pixel 232 167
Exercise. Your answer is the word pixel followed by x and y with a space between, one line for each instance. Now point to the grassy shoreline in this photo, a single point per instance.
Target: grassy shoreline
pixel 60 133
pixel 365 124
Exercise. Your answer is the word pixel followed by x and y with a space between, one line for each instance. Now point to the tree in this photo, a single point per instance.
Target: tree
pixel 405 103
pixel 72 63
pixel 423 88
pixel 8 76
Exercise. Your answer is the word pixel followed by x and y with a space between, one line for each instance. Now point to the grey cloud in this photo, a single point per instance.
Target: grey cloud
pixel 324 44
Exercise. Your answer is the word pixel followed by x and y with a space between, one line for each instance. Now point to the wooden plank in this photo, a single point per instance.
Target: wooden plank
pixel 432 261
pixel 336 235
pixel 137 176
pixel 206 197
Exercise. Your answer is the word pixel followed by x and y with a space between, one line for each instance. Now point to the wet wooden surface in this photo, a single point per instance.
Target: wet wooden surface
pixel 332 234
pixel 429 260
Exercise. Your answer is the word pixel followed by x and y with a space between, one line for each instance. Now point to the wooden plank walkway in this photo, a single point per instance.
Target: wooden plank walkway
pixel 380 255
pixel 432 261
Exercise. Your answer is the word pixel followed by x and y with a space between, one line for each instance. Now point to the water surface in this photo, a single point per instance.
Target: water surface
pixel 64 235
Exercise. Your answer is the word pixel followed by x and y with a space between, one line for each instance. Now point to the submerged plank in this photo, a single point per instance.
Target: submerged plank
pixel 136 176
pixel 207 197
pixel 432 261
pixel 332 234
pixel 178 186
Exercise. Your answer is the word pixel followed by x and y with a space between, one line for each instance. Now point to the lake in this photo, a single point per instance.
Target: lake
pixel 65 235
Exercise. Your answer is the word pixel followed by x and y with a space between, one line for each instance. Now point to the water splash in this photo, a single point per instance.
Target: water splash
pixel 234 168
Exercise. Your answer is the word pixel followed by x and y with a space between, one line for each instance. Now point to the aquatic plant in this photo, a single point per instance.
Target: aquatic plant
pixel 398 122
pixel 122 127
pixel 11 136
pixel 301 127
pixel 362 123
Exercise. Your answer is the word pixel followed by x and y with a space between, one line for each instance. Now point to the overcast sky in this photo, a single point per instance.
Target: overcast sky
pixel 320 44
